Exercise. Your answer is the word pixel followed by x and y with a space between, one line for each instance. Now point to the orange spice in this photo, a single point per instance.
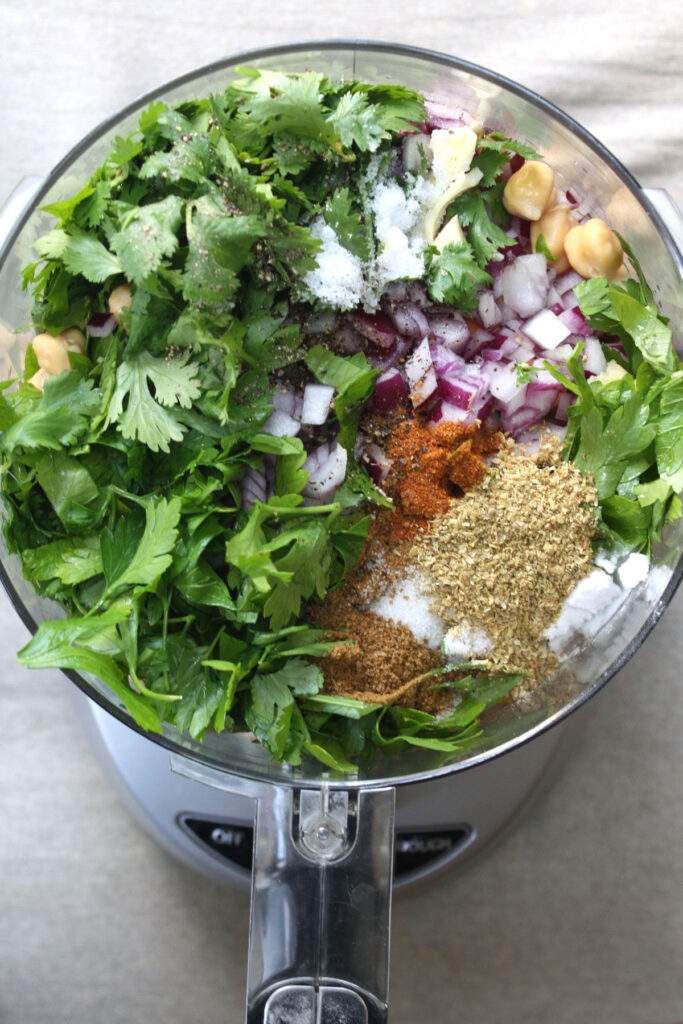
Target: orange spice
pixel 431 466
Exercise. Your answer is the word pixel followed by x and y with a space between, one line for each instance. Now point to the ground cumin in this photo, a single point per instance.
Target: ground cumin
pixel 382 660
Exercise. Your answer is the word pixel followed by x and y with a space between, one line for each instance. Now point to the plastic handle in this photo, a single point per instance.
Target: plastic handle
pixel 17 203
pixel 321 900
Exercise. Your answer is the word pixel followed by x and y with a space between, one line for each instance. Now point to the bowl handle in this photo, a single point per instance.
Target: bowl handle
pixel 321 903
pixel 321 899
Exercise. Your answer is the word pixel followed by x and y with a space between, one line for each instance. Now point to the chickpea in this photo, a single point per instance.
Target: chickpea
pixel 75 340
pixel 38 379
pixel 51 353
pixel 553 225
pixel 529 190
pixel 120 299
pixel 593 249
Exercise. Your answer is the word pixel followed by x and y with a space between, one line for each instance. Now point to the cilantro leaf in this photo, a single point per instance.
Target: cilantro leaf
pixel 86 255
pixel 355 122
pixel 144 417
pixel 483 235
pixel 147 234
pixel 453 276
pixel 346 222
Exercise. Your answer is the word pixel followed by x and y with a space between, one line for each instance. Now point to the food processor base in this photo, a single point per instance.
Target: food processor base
pixel 444 822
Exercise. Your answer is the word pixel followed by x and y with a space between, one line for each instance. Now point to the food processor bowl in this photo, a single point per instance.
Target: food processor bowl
pixel 323 841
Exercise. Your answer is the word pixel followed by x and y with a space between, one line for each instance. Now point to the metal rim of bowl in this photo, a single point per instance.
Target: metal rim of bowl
pixel 334 780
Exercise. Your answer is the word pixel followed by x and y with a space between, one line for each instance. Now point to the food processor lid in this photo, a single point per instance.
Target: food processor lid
pixel 496 98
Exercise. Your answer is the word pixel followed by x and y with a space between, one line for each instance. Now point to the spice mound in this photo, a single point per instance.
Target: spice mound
pixel 503 559
pixel 432 465
pixel 483 582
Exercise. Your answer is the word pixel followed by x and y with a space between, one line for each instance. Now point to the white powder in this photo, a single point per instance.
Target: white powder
pixel 338 278
pixel 633 571
pixel 591 603
pixel 464 641
pixel 408 603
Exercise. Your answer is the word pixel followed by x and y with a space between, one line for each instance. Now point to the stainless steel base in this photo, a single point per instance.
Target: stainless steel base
pixel 441 823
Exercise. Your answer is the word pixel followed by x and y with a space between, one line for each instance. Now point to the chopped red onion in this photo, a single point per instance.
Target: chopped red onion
pixel 101 325
pixel 316 404
pixel 565 282
pixel 488 311
pixel 376 327
pixel 409 320
pixel 390 390
pixel 419 370
pixel 460 392
pixel 326 468
pixel 445 412
pixel 288 401
pixel 452 330
pixel 575 321
pixel 377 462
pixel 503 384
pixel 594 361
pixel 546 329
pixel 254 487
pixel 525 284
pixel 280 424
pixel 563 403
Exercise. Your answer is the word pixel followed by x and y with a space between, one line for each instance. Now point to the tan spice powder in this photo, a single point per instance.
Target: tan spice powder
pixel 506 555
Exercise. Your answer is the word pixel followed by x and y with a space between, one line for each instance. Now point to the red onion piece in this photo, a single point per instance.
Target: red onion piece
pixel 409 320
pixel 288 400
pixel 326 468
pixel 575 321
pixel 460 392
pixel 487 310
pixel 420 372
pixel 565 282
pixel 390 391
pixel 316 404
pixel 525 284
pixel 546 329
pixel 563 403
pixel 254 487
pixel 445 412
pixel 101 325
pixel 451 330
pixel 377 462
pixel 594 361
pixel 280 424
pixel 376 327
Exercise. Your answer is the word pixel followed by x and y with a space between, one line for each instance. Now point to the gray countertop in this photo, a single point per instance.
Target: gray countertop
pixel 576 916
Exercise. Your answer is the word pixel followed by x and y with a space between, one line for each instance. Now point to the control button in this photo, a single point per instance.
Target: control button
pixel 413 851
pixel 232 842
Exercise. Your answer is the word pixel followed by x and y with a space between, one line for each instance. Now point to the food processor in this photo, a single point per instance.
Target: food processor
pixel 323 850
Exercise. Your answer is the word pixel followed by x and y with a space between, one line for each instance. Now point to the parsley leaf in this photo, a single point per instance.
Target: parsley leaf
pixel 131 562
pixel 58 418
